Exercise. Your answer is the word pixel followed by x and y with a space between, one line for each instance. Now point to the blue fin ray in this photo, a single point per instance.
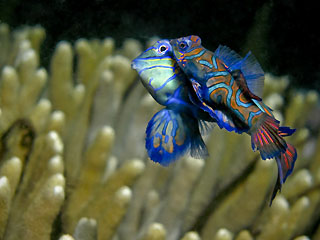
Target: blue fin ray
pixel 253 74
pixel 198 148
pixel 286 131
pixel 249 66
pixel 205 127
pixel 229 57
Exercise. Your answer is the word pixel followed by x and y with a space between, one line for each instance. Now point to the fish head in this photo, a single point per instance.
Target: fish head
pixel 182 47
pixel 159 72
pixel 184 51
pixel 157 53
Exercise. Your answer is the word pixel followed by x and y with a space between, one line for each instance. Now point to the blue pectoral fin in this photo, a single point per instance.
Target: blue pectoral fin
pixel 196 98
pixel 171 134
pixel 198 148
pixel 226 122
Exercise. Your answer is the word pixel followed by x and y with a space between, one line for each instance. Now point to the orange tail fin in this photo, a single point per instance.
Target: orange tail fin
pixel 267 137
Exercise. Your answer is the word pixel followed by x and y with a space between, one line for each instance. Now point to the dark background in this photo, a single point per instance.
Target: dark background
pixel 283 34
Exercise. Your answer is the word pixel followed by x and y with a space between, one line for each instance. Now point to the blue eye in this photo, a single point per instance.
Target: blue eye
pixel 183 45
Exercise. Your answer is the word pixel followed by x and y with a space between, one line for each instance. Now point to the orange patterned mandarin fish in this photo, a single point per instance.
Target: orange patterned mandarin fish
pixel 224 81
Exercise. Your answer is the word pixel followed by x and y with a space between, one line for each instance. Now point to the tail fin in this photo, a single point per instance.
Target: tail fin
pixel 285 164
pixel 171 134
pixel 266 138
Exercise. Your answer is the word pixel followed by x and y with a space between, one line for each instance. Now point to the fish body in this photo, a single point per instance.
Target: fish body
pixel 224 81
pixel 176 129
pixel 219 86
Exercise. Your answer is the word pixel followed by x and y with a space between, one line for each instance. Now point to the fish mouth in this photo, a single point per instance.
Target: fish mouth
pixel 137 64
pixel 134 64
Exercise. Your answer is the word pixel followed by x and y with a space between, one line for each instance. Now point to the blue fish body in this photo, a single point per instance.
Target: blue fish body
pixel 176 129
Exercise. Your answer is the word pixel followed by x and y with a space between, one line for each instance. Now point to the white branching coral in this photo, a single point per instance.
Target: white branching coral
pixel 73 163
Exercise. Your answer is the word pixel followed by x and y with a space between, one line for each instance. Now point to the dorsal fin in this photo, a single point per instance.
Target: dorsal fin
pixel 253 74
pixel 239 78
pixel 249 66
pixel 229 57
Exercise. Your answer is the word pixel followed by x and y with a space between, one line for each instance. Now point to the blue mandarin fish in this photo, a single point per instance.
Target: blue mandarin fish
pixel 176 129
pixel 224 81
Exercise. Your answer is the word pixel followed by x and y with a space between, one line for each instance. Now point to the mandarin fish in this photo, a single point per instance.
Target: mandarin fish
pixel 223 80
pixel 176 129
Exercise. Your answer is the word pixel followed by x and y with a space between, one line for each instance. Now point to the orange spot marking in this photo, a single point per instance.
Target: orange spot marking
pixel 178 139
pixel 169 145
pixel 156 144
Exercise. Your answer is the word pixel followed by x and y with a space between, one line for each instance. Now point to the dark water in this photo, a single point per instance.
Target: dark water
pixel 283 35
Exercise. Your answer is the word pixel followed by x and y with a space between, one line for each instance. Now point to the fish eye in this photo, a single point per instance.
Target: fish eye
pixel 163 48
pixel 183 45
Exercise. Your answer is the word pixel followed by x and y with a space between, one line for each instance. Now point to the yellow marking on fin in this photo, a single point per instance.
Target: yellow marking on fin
pixel 169 145
pixel 179 138
pixel 156 142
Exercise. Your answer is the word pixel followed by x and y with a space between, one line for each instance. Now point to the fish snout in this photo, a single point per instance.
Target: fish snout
pixel 138 64
pixel 134 64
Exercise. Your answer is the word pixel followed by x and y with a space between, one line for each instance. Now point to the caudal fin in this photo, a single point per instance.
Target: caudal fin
pixel 266 138
pixel 285 164
pixel 171 134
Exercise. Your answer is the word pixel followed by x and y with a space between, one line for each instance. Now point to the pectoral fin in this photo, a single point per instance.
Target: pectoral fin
pixel 171 134
pixel 219 117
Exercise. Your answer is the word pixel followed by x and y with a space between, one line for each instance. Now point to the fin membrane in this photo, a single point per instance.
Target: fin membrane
pixel 229 57
pixel 171 134
pixel 268 139
pixel 285 164
pixel 263 107
pixel 265 137
pixel 286 131
pixel 240 79
pixel 249 66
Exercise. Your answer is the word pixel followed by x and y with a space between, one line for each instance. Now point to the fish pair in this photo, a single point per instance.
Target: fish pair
pixel 199 87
